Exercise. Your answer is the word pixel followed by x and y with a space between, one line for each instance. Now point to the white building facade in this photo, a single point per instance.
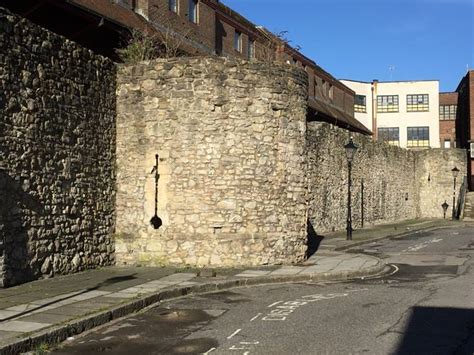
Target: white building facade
pixel 403 113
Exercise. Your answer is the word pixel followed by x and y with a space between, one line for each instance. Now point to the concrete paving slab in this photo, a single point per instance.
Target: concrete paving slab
pixel 56 298
pixel 287 271
pixel 253 273
pixel 4 314
pixel 88 295
pixel 73 312
pixel 45 317
pixel 179 277
pixel 22 307
pixel 188 283
pixel 4 335
pixel 122 295
pixel 22 326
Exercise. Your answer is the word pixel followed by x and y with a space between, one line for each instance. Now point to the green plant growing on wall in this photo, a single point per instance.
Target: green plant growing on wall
pixel 140 46
pixel 164 43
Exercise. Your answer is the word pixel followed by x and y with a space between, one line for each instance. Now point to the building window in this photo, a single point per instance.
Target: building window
pixel 251 49
pixel 173 5
pixel 418 137
pixel 447 112
pixel 238 41
pixel 331 92
pixel 387 103
pixel 417 103
pixel 193 11
pixel 360 104
pixel 389 135
pixel 447 143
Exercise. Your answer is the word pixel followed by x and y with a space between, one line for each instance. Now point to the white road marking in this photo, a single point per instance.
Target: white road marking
pixel 273 304
pixel 423 244
pixel 234 334
pixel 209 351
pixel 250 342
pixel 258 315
pixel 280 312
pixel 233 347
pixel 358 290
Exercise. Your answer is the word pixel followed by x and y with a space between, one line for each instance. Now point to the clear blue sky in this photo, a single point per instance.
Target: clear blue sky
pixel 361 39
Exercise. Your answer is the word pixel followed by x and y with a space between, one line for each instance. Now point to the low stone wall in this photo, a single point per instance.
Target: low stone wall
pixel 389 183
pixel 57 152
pixel 231 140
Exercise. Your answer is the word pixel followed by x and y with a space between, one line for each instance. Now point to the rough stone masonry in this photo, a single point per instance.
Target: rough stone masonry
pixel 57 153
pixel 231 140
pixel 389 183
pixel 242 172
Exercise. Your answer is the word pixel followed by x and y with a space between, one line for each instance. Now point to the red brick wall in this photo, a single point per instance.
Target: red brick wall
pixel 447 128
pixel 200 36
pixel 214 34
pixel 465 122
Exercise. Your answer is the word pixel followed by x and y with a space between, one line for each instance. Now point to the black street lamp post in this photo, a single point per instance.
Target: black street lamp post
pixel 455 172
pixel 351 149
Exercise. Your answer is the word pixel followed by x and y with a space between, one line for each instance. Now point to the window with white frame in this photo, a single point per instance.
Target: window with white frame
pixel 390 135
pixel 251 49
pixel 418 137
pixel 360 103
pixel 447 112
pixel 418 103
pixel 238 41
pixel 173 5
pixel 387 103
pixel 193 11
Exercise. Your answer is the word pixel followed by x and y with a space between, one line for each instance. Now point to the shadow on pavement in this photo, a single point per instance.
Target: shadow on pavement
pixel 433 330
pixel 107 282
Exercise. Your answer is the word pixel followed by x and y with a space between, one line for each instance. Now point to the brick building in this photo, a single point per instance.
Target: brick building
pixel 202 27
pixel 401 113
pixel 448 103
pixel 465 121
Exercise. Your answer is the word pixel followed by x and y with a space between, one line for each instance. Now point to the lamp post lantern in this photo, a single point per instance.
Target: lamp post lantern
pixel 351 149
pixel 455 172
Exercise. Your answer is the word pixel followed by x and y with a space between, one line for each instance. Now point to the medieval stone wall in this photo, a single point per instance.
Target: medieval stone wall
pixel 231 140
pixel 383 179
pixel 57 152
pixel 241 171
pixel 389 183
pixel 434 175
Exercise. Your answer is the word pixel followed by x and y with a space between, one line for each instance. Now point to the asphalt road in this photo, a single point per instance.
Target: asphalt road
pixel 425 307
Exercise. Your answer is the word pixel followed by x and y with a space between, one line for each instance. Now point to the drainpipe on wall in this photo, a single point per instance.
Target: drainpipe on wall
pixel 374 109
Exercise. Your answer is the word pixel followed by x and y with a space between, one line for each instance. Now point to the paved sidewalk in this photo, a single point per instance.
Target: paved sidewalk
pixel 337 241
pixel 51 310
